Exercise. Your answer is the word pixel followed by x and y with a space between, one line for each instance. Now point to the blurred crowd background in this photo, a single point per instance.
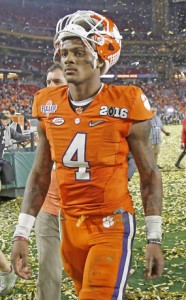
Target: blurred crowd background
pixel 153 53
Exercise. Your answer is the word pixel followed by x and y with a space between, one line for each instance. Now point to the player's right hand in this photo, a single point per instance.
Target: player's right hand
pixel 19 259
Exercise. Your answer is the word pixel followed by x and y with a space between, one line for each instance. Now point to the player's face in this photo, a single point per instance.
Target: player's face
pixel 77 61
pixel 55 78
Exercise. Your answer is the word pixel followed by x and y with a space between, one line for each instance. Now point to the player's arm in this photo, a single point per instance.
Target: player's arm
pixel 151 193
pixel 34 195
pixel 39 177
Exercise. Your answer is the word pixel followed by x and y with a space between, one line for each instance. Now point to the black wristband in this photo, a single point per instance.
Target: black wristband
pixel 154 241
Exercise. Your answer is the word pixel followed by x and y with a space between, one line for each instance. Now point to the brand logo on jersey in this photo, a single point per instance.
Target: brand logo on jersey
pixel 48 108
pixel 145 101
pixel 108 222
pixel 115 112
pixel 58 121
pixel 92 124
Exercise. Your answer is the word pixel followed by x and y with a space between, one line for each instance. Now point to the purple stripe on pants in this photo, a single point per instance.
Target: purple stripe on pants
pixel 129 224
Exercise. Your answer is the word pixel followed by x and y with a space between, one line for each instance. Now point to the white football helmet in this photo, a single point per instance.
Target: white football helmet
pixel 99 34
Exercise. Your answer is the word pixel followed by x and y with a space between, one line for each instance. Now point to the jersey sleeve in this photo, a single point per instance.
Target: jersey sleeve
pixel 140 109
pixel 35 105
pixel 36 112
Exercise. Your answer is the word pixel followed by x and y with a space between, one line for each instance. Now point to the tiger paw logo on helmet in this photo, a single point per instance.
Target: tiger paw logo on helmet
pixel 108 222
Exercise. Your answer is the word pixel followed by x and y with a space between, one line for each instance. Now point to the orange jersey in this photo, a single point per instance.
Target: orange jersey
pixel 90 149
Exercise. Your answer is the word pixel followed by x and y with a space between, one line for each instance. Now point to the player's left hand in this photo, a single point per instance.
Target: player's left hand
pixel 154 261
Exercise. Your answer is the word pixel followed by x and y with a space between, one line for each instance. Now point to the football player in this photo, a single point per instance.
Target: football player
pixel 87 129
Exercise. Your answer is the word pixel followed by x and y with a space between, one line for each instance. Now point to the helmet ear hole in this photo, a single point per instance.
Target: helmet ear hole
pixel 110 47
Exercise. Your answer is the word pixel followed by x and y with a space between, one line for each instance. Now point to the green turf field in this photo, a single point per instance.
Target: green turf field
pixel 172 285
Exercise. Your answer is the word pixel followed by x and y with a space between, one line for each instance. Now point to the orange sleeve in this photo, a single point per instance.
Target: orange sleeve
pixel 35 111
pixel 35 105
pixel 140 108
pixel 46 102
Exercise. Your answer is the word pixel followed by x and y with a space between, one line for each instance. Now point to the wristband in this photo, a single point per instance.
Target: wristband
pixel 153 227
pixel 154 242
pixel 24 226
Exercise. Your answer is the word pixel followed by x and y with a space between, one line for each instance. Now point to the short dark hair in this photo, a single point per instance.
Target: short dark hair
pixel 54 67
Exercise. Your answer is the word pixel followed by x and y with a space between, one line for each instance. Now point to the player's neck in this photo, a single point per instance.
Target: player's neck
pixel 83 93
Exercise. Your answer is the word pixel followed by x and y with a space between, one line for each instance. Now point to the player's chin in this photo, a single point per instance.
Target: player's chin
pixel 72 79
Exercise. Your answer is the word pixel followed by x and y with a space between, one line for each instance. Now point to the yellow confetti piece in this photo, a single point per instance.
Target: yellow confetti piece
pixel 80 221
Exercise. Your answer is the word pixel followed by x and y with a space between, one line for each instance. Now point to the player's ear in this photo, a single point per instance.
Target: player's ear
pixel 100 63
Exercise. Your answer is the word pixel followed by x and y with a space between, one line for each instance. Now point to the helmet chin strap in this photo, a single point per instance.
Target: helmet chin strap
pixel 94 53
pixel 55 54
